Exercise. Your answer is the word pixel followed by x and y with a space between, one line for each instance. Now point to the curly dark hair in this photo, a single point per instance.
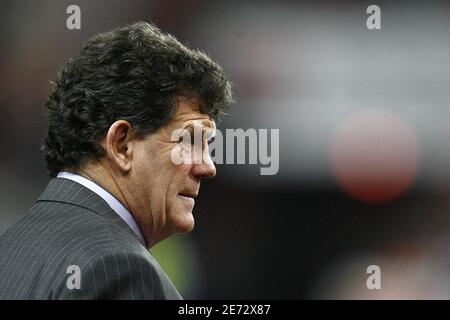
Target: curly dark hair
pixel 134 73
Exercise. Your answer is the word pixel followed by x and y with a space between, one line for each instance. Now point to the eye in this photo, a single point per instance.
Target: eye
pixel 192 134
pixel 185 136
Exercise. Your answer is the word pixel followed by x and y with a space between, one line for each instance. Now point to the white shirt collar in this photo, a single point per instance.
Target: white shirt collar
pixel 109 198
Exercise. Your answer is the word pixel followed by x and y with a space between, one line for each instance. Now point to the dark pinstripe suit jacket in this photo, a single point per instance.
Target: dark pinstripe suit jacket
pixel 72 226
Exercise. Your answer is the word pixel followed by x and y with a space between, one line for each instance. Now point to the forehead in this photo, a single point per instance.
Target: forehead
pixel 189 110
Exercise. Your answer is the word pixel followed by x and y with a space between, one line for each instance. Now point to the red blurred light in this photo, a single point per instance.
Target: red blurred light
pixel 375 156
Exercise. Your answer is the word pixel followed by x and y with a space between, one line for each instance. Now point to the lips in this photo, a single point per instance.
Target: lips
pixel 188 196
pixel 187 199
pixel 191 195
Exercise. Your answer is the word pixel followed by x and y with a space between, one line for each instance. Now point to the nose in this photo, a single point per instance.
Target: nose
pixel 205 169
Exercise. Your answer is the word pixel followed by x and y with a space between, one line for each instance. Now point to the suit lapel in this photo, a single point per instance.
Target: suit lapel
pixel 68 191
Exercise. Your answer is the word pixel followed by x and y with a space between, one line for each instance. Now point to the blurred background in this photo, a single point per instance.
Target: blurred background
pixel 364 122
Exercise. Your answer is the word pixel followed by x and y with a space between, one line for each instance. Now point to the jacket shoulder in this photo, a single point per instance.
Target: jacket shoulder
pixel 119 274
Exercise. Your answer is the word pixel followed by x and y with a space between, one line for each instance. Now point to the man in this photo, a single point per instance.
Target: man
pixel 116 190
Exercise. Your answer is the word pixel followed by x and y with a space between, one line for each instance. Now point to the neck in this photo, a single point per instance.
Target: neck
pixel 102 176
pixel 118 186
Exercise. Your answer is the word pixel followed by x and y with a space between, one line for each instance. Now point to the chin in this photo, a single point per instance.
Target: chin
pixel 183 224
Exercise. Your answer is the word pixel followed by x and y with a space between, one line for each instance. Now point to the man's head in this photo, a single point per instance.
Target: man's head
pixel 112 114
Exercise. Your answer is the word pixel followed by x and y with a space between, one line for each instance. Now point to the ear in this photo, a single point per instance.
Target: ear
pixel 118 144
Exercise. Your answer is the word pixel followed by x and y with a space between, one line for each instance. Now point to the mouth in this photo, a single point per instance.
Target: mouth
pixel 187 196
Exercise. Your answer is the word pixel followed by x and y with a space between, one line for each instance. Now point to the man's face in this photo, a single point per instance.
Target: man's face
pixel 163 192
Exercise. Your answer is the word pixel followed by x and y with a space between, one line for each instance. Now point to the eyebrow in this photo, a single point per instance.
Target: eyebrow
pixel 205 123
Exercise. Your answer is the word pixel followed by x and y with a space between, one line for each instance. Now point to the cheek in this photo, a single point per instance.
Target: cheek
pixel 178 182
pixel 151 165
pixel 158 175
pixel 144 175
pixel 177 178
